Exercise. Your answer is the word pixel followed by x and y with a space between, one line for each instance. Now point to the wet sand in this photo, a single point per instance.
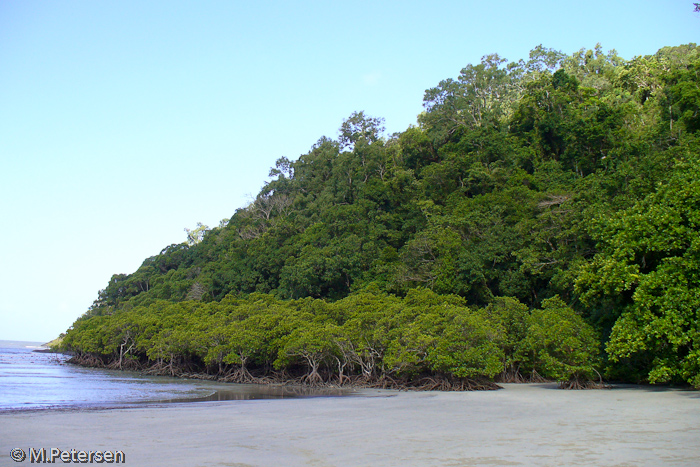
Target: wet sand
pixel 532 424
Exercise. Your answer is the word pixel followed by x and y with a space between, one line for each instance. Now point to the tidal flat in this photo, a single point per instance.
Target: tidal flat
pixel 522 424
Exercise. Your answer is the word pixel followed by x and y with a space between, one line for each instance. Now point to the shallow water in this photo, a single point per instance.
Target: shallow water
pixel 31 380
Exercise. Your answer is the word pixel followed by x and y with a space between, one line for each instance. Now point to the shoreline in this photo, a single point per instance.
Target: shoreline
pixel 523 424
pixel 423 383
pixel 436 383
pixel 236 392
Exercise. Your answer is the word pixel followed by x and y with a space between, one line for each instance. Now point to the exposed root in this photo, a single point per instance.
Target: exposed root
pixel 448 384
pixel 312 379
pixel 576 383
pixel 238 375
pixel 86 360
pixel 536 378
pixel 511 376
pixel 316 379
pixel 129 364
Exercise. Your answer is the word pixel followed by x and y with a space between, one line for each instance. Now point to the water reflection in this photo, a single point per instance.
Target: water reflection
pixel 31 380
pixel 237 392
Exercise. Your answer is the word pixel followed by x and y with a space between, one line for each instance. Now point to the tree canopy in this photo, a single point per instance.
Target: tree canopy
pixel 539 220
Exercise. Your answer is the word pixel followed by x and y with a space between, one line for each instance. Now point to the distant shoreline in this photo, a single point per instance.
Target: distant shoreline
pixel 34 346
pixel 49 350
pixel 8 344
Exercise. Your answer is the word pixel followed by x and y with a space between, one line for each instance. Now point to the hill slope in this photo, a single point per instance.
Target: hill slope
pixel 568 183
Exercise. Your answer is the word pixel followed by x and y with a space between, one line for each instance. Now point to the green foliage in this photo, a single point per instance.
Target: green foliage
pixel 650 256
pixel 368 335
pixel 468 346
pixel 571 176
pixel 559 344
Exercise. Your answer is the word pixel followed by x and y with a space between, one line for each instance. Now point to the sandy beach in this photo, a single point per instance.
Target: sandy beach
pixel 532 424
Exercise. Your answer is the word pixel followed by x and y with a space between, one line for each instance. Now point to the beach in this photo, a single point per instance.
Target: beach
pixel 529 424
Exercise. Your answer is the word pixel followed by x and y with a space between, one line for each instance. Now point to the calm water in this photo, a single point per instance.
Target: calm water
pixel 31 380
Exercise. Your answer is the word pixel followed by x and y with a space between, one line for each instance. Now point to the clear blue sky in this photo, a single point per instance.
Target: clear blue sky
pixel 122 123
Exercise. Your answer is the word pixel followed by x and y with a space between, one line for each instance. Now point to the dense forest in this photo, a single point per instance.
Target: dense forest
pixel 540 221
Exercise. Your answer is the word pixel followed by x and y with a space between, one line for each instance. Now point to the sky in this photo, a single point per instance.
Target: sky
pixel 122 123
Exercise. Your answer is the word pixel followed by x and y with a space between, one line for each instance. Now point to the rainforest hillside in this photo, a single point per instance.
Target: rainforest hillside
pixel 540 220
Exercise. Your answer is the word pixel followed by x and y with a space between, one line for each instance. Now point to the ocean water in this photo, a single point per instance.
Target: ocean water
pixel 33 381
